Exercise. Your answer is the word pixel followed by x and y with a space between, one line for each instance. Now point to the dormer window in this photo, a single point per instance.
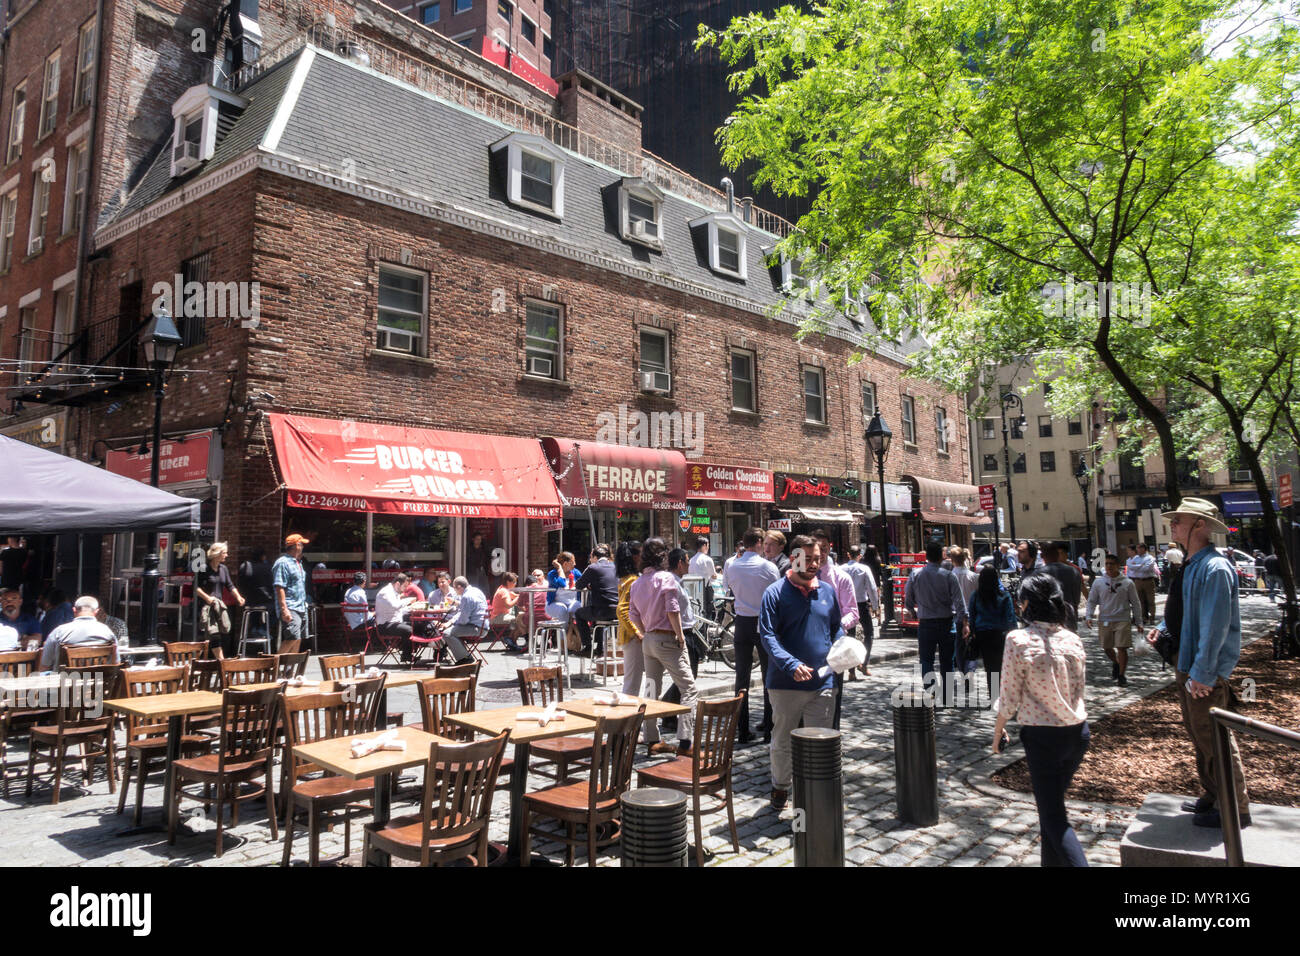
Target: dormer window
pixel 640 212
pixel 725 241
pixel 534 173
pixel 194 131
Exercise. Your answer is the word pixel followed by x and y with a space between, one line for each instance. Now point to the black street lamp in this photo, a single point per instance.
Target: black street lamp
pixel 1010 398
pixel 878 439
pixel 160 341
pixel 1084 477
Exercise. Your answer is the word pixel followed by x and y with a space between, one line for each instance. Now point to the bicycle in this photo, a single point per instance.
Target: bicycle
pixel 718 638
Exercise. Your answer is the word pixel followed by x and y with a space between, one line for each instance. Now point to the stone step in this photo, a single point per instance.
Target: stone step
pixel 1163 834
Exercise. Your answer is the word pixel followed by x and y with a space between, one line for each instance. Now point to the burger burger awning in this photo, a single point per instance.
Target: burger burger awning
pixel 617 476
pixel 358 466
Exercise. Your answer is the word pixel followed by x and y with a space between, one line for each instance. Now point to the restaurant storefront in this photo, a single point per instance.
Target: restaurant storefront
pixel 722 501
pixel 1243 513
pixel 383 497
pixel 803 503
pixel 616 492
pixel 902 533
pixel 946 511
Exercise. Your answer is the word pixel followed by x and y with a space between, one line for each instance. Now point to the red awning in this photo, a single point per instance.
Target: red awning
pixel 617 476
pixel 357 466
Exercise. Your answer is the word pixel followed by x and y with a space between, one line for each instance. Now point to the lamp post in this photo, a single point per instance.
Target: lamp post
pixel 878 439
pixel 1084 478
pixel 160 341
pixel 1010 398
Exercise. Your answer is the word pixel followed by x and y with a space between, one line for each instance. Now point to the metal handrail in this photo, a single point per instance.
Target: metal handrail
pixel 1225 721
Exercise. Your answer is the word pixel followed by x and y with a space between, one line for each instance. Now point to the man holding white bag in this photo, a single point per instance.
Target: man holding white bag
pixel 797 624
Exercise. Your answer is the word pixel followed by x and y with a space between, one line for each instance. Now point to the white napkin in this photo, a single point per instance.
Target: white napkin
pixel 612 698
pixel 373 673
pixel 543 717
pixel 303 682
pixel 385 741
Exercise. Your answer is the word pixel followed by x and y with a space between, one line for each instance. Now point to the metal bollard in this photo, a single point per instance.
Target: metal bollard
pixel 916 772
pixel 818 797
pixel 654 828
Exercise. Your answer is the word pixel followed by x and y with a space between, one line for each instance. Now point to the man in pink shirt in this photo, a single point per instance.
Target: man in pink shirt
pixel 654 607
pixel 847 599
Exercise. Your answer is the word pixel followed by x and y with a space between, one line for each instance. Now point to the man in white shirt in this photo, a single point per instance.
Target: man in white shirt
pixel 1116 599
pixel 747 577
pixel 703 565
pixel 868 596
pixel 84 629
pixel 9 638
pixel 1141 568
pixel 356 605
pixel 390 612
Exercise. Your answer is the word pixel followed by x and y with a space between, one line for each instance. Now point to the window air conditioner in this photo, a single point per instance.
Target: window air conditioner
pixel 656 382
pixel 540 366
pixel 397 341
pixel 642 229
pixel 185 156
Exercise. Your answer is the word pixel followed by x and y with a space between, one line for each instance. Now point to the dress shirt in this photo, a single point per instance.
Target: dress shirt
pixel 1117 599
pixel 703 565
pixel 388 606
pixel 932 592
pixel 654 595
pixel 472 609
pixel 1010 562
pixel 1042 680
pixel 747 577
pixel 864 583
pixel 357 596
pixel 8 638
pixel 684 601
pixel 967 581
pixel 1211 634
pixel 842 585
pixel 782 562
pixel 80 631
pixel 1141 566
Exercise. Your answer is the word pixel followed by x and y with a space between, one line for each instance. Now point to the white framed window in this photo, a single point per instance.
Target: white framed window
pixel 988 429
pixel 29 341
pixel 17 119
pixel 8 216
pixel 909 420
pixel 654 361
pixel 640 212
pixel 464 6
pixel 194 125
pixel 868 402
pixel 534 173
pixel 85 81
pixel 527 30
pixel 743 392
pixel 941 430
pixel 543 339
pixel 40 213
pixel 726 243
pixel 430 13
pixel 402 307
pixel 75 190
pixel 814 395
pixel 49 96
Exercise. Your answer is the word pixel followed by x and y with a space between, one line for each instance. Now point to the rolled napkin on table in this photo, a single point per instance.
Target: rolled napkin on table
pixel 543 717
pixel 302 682
pixel 385 741
pixel 373 673
pixel 612 698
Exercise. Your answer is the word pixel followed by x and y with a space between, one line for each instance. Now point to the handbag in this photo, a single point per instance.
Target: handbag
pixel 573 639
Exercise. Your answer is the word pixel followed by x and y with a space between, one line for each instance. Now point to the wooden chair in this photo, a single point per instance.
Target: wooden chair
pixel 205 675
pixel 74 724
pixel 288 666
pixel 707 771
pixel 309 718
pixel 589 802
pixel 441 697
pixel 456 807
pixel 146 741
pixel 246 752
pixel 368 696
pixel 180 653
pixel 247 670
pixel 340 666
pixel 18 664
pixel 88 655
pixel 470 670
pixel 539 686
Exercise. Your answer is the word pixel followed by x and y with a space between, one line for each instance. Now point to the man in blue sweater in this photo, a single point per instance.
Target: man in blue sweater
pixel 1208 650
pixel 797 623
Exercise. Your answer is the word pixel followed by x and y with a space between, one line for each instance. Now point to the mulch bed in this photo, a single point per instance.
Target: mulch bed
pixel 1144 749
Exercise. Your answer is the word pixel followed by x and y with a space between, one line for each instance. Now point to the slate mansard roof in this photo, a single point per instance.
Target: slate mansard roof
pixel 328 115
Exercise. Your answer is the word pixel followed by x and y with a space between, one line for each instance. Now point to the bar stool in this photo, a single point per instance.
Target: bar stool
pixel 311 622
pixel 611 660
pixel 244 639
pixel 537 646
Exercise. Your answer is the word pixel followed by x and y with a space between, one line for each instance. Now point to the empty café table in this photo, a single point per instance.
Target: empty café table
pixel 587 707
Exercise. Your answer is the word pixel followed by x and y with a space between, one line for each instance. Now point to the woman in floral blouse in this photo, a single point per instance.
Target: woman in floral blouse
pixel 1042 686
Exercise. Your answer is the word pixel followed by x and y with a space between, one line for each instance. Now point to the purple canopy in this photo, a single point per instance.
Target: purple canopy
pixel 43 492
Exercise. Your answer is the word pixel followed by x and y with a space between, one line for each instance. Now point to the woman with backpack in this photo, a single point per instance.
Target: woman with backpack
pixel 991 616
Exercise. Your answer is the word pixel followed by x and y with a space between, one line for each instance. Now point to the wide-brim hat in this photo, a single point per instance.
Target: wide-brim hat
pixel 1199 508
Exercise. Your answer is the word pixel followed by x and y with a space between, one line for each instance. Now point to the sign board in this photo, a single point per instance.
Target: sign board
pixel 180 460
pixel 1002 521
pixel 898 497
pixel 779 524
pixel 48 431
pixel 556 525
pixel 698 520
pixel 986 498
pixel 1284 497
pixel 728 482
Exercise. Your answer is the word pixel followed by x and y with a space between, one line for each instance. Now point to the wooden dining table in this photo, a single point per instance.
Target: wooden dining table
pixel 335 755
pixel 654 709
pixel 522 734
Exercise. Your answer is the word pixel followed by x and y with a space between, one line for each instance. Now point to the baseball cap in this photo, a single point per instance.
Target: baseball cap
pixel 295 539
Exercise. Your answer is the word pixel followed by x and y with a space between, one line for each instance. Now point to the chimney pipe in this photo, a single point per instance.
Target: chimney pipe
pixel 731 194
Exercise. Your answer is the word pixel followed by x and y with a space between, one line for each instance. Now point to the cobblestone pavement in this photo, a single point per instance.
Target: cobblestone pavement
pixel 981 824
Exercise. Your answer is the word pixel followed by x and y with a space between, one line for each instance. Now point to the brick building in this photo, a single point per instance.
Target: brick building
pixel 398 250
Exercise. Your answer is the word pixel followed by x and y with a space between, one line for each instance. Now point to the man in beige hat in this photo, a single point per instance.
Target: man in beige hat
pixel 1208 651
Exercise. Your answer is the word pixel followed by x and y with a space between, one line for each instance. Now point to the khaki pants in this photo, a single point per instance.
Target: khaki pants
pixel 1196 718
pixel 662 654
pixel 1146 588
pixel 814 707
